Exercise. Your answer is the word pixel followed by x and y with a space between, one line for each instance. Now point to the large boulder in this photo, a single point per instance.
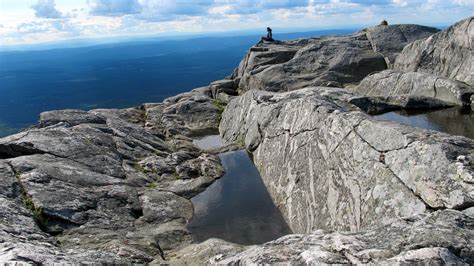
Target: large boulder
pixel 334 61
pixel 328 166
pixel 395 83
pixel 390 40
pixel 329 61
pixel 448 53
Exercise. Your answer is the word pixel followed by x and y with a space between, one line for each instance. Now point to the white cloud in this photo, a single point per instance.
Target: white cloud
pixel 97 18
pixel 57 25
pixel 401 3
pixel 464 3
pixel 46 9
pixel 114 8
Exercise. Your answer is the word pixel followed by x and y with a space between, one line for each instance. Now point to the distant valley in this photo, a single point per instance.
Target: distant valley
pixel 115 75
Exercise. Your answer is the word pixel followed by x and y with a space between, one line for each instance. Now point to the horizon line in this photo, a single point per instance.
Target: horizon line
pixel 103 40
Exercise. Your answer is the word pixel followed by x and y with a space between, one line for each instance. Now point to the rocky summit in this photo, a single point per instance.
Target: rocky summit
pixel 113 186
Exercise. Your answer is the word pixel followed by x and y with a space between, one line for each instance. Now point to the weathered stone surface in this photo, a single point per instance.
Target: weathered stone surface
pixel 153 208
pixel 326 166
pixel 72 117
pixel 390 40
pixel 107 185
pixel 84 143
pixel 333 61
pixel 200 254
pixel 448 53
pixel 439 238
pixel 226 86
pixel 329 61
pixel 191 113
pixel 394 83
pixel 23 241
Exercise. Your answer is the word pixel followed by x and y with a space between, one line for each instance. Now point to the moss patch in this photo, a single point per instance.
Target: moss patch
pixel 27 201
pixel 219 104
pixel 139 168
pixel 175 174
pixel 152 185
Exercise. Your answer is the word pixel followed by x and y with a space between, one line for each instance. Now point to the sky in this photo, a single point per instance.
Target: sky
pixel 38 21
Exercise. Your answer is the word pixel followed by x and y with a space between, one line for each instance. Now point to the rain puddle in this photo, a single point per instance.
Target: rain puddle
pixel 454 121
pixel 236 207
pixel 209 142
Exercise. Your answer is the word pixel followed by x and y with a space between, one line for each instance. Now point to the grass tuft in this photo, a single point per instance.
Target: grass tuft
pixel 219 104
pixel 139 168
pixel 27 201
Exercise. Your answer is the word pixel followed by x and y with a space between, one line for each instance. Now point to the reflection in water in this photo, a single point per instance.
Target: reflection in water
pixel 455 121
pixel 237 207
pixel 209 142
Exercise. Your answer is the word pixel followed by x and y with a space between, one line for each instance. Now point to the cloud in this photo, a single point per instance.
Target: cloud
pixel 114 7
pixel 46 9
pixel 166 10
pixel 58 25
pixel 256 6
pixel 170 10
pixel 97 18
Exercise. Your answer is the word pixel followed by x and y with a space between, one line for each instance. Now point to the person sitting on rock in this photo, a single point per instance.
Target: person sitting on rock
pixel 269 37
pixel 384 23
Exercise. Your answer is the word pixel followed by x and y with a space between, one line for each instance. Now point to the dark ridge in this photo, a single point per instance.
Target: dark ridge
pixel 8 151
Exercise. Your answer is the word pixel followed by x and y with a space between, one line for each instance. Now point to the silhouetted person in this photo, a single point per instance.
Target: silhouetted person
pixel 269 37
pixel 384 23
pixel 269 34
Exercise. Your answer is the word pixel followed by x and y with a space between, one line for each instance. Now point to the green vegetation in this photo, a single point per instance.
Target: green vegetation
pixel 152 185
pixel 27 201
pixel 139 168
pixel 145 115
pixel 241 141
pixel 219 104
pixel 175 174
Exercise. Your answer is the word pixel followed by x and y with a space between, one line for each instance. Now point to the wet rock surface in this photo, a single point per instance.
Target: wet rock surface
pixel 455 120
pixel 237 207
